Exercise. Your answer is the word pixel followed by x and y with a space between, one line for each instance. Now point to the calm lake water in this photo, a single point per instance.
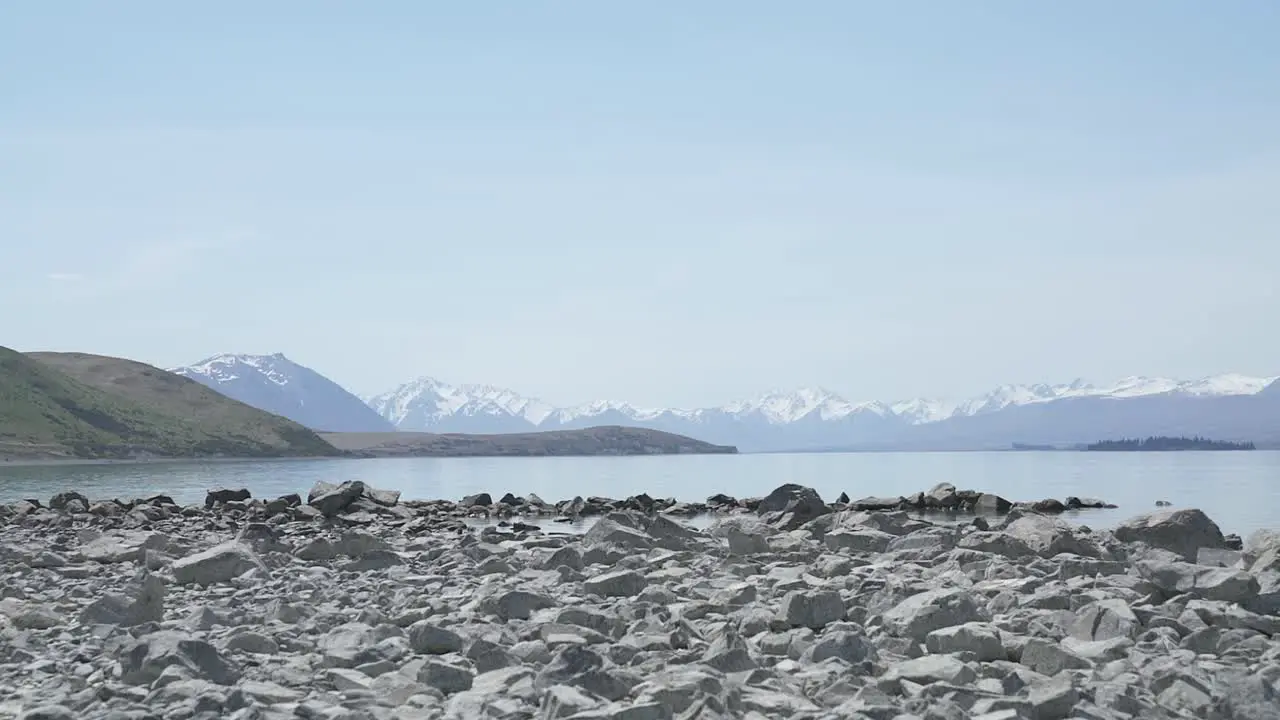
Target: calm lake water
pixel 1239 490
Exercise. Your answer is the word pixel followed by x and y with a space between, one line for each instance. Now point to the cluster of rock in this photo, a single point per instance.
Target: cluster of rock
pixel 944 497
pixel 353 605
pixel 356 502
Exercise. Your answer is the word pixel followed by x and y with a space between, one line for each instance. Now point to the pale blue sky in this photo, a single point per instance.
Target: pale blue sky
pixel 666 203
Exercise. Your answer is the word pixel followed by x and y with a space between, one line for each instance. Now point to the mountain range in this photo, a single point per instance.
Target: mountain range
pixel 1225 407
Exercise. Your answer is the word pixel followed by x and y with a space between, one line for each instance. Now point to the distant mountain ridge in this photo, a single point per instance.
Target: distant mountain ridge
pixel 1223 407
pixel 280 386
pixel 806 418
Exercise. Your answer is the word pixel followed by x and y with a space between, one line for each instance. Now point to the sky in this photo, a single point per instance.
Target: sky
pixel 672 204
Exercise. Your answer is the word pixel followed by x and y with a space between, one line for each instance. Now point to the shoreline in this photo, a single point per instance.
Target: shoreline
pixel 20 461
pixel 38 462
pixel 349 601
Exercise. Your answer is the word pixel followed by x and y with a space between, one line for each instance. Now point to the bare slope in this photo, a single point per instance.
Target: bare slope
pixel 89 406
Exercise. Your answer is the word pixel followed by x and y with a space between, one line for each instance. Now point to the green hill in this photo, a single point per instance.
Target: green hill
pixel 87 406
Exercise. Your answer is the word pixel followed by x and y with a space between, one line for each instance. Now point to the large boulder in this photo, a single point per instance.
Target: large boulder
pixel 143 663
pixel 218 564
pixel 619 583
pixel 122 547
pixel 989 504
pixel 70 501
pixel 981 639
pixel 813 609
pixel 222 495
pixel 619 529
pixel 144 604
pixel 923 613
pixel 746 535
pixel 1105 620
pixel 1206 583
pixel 790 506
pixel 1180 531
pixel 1047 536
pixel 942 496
pixel 332 499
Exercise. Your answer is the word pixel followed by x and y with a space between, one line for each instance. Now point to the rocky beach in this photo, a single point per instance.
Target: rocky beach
pixel 351 603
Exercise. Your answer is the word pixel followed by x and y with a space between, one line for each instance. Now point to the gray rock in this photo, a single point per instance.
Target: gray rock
pixel 1208 583
pixel 562 701
pixel 1180 531
pixel 1105 620
pixel 343 645
pixel 374 560
pixel 1053 700
pixel 851 647
pixel 811 608
pixel 1050 658
pixel 620 583
pixel 929 669
pixel 521 604
pixel 923 613
pixel 332 500
pixel 49 712
pixel 151 655
pixel 145 606
pixel 980 639
pixel 790 506
pixel 398 611
pixel 222 495
pixel 612 530
pixel 122 547
pixel 444 677
pixel 1047 537
pixel 860 541
pixel 218 564
pixel 428 638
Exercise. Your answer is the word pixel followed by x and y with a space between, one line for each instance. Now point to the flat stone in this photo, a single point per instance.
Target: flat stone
pixel 619 583
pixel 811 608
pixel 923 613
pixel 218 564
pixel 980 639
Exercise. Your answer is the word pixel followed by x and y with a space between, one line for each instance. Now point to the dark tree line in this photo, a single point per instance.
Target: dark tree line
pixel 1157 444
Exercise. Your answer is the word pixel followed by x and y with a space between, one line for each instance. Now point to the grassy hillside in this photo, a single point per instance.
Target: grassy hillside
pixel 607 440
pixel 88 406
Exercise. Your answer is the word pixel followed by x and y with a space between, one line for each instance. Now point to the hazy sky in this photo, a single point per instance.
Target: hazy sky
pixel 667 203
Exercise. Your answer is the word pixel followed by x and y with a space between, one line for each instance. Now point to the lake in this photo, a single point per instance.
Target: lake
pixel 1239 490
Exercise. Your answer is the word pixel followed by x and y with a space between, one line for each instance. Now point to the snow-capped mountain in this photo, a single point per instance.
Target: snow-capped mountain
pixel 278 385
pixel 426 404
pixel 1226 407
pixel 806 418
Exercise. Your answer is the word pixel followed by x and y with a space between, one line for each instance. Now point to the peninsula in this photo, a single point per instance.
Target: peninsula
pixel 605 440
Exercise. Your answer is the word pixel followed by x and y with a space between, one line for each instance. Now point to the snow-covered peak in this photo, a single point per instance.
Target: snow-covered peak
pixel 1006 395
pixel 428 403
pixel 1228 384
pixel 278 385
pixel 429 398
pixel 783 407
pixel 1129 387
pixel 226 367
pixel 920 411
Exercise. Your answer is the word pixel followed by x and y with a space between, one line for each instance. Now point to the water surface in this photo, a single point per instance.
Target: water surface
pixel 1240 490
